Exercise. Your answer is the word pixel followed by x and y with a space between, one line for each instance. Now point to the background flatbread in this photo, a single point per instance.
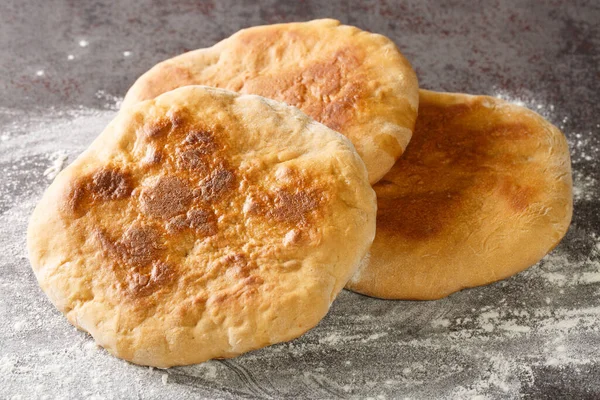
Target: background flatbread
pixel 483 191
pixel 353 81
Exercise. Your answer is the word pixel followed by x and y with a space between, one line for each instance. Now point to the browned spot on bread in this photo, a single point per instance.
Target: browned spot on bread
pixel 72 200
pixel 325 78
pixel 418 216
pixel 106 184
pixel 192 159
pixel 218 184
pixel 177 224
pixel 458 155
pixel 201 141
pixel 169 197
pixel 338 113
pixel 202 221
pixel 292 206
pixel 137 260
pixel 328 90
pixel 195 151
pixel 139 245
pixel 292 203
pixel 110 184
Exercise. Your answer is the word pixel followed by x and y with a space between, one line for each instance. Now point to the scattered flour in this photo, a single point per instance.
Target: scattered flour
pixel 57 165
pixel 440 322
pixel 511 326
pixel 19 325
pixel 488 344
pixel 546 110
pixel 112 102
pixel 336 338
pixel 91 346
pixel 584 186
pixel 331 339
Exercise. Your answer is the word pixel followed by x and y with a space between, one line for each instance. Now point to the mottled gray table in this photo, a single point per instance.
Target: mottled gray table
pixel 65 64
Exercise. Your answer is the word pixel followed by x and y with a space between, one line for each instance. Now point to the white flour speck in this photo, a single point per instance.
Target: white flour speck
pixel 513 327
pixel 19 325
pixel 331 339
pixel 57 165
pixel 91 346
pixel 112 102
pixel 440 322
pixel 374 336
pixel 556 278
pixel 83 43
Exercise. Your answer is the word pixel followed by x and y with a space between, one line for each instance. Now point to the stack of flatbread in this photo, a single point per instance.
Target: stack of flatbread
pixel 242 186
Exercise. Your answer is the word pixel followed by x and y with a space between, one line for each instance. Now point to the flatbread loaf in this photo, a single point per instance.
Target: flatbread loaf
pixel 203 224
pixel 355 82
pixel 483 191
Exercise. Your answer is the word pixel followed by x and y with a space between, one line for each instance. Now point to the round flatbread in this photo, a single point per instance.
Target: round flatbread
pixel 353 81
pixel 203 224
pixel 483 191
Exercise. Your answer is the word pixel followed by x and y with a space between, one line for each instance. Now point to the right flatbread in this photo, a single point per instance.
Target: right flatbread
pixel 483 191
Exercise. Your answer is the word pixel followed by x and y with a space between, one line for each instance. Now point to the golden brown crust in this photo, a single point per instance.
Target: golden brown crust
pixel 355 82
pixel 483 191
pixel 193 229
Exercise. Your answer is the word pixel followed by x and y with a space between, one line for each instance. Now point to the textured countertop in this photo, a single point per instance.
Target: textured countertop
pixel 65 65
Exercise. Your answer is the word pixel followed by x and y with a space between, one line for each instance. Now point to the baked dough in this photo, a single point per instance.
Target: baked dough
pixel 203 224
pixel 353 81
pixel 483 191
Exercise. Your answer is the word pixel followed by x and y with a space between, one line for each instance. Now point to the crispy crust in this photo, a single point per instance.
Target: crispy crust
pixel 353 81
pixel 483 191
pixel 202 224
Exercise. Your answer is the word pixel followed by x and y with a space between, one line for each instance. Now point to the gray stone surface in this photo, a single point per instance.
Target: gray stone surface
pixel 64 64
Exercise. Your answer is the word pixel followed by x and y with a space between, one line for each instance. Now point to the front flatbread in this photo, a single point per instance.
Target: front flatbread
pixel 203 224
pixel 483 191
pixel 353 81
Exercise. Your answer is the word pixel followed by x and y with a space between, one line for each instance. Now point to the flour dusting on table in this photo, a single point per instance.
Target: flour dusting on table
pixel 494 339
